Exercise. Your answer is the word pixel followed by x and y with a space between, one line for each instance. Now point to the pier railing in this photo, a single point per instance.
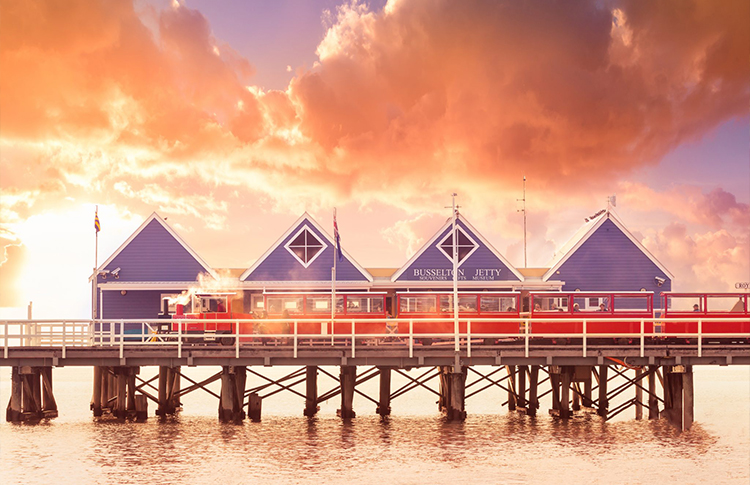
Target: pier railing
pixel 129 333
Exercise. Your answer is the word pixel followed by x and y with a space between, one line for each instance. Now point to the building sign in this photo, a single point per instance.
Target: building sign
pixel 440 274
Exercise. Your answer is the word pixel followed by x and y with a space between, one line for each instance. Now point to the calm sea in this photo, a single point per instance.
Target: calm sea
pixel 414 446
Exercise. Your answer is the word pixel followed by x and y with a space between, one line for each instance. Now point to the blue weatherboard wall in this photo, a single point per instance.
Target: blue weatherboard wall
pixel 609 261
pixel 154 255
pixel 134 304
pixel 481 265
pixel 280 265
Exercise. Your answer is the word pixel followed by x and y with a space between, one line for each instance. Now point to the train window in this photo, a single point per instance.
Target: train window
pixel 418 304
pixel 550 303
pixel 257 302
pixel 365 304
pixel 491 303
pixel 278 304
pixel 727 303
pixel 465 303
pixel 684 303
pixel 210 304
pixel 632 303
pixel 322 304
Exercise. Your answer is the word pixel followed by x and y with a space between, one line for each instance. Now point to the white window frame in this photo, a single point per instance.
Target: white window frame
pixel 450 256
pixel 296 235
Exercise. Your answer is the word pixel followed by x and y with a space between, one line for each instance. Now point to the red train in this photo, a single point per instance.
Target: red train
pixel 718 313
pixel 480 306
pixel 205 310
pixel 489 313
pixel 554 312
pixel 312 311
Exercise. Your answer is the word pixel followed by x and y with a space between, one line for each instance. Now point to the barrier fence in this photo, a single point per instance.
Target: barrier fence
pixel 112 333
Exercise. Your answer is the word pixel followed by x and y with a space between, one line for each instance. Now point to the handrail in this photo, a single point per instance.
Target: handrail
pixel 104 333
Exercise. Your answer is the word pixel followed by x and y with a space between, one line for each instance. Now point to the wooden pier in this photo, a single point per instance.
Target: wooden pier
pixel 661 373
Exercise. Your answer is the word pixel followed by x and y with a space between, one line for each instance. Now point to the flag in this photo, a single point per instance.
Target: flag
pixel 336 237
pixel 97 226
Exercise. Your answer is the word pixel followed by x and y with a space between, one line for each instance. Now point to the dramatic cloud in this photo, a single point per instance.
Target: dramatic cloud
pixel 124 104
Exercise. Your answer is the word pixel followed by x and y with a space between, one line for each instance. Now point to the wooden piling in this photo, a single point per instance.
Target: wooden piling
pixel 687 398
pixel 49 405
pixel 456 409
pixel 13 412
pixel 105 388
pixel 240 378
pixel 141 407
pixel 96 398
pixel 254 403
pixel 347 379
pixel 603 400
pixel 533 404
pixel 521 389
pixel 226 400
pixel 163 405
pixel 174 390
pixel 586 400
pixel 511 387
pixel 122 393
pixel 638 393
pixel 653 402
pixel 565 378
pixel 311 391
pixel 384 403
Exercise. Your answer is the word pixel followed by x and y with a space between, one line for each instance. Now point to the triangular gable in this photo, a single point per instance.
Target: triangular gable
pixel 583 235
pixel 279 264
pixel 482 263
pixel 154 252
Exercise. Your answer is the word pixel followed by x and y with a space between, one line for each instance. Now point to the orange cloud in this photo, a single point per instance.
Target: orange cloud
pixel 149 110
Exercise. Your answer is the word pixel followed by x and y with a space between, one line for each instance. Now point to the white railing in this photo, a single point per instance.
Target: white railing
pixel 113 333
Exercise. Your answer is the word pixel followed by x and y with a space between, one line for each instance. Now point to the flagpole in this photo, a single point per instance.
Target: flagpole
pixel 333 276
pixel 96 264
pixel 455 267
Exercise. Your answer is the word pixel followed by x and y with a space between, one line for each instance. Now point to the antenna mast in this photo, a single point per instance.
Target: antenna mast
pixel 524 219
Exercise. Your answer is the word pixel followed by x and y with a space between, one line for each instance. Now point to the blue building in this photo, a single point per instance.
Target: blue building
pixel 155 265
pixel 604 256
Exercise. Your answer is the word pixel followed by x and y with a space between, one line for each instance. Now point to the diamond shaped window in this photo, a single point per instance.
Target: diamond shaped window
pixel 305 246
pixel 466 245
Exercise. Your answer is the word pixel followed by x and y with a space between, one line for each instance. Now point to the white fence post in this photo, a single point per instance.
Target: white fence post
pixel 468 338
pixel 584 337
pixel 526 338
pixel 353 350
pixel 63 340
pixel 179 339
pixel 295 339
pixel 700 338
pixel 237 339
pixel 122 339
pixel 643 338
pixel 5 350
pixel 411 338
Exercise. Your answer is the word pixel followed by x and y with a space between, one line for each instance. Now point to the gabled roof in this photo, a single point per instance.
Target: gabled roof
pixel 585 232
pixel 304 218
pixel 440 231
pixel 168 228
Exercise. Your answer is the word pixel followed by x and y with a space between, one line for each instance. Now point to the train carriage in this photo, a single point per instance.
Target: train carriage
pixel 471 305
pixel 719 313
pixel 206 313
pixel 564 312
pixel 312 311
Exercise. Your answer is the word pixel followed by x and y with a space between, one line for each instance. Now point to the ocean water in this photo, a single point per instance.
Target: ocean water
pixel 413 446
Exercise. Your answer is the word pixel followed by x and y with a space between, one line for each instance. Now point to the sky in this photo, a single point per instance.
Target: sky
pixel 230 119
